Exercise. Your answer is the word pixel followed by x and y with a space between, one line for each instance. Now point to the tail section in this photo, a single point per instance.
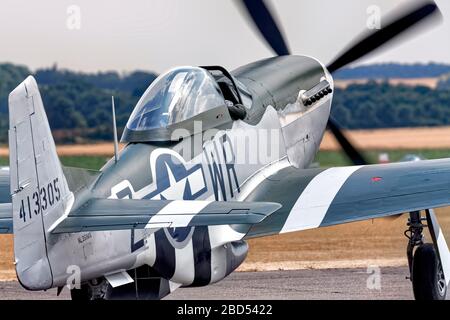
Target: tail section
pixel 40 194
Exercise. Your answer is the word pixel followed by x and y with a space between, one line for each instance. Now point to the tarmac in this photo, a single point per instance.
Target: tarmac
pixel 387 283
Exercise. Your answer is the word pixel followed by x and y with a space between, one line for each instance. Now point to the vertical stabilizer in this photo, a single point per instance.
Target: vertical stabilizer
pixel 40 195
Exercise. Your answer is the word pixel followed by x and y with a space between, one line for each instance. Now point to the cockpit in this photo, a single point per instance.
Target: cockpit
pixel 181 96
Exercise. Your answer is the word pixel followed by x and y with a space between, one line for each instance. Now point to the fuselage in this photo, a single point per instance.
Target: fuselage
pixel 223 164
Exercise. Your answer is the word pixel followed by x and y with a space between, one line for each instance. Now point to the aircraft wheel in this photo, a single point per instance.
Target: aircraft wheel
pixel 93 290
pixel 428 277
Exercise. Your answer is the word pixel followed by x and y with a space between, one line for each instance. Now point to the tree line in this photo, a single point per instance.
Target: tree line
pixel 393 70
pixel 381 105
pixel 77 101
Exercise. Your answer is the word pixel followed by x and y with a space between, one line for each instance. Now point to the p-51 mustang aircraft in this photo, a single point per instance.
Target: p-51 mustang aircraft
pixel 165 213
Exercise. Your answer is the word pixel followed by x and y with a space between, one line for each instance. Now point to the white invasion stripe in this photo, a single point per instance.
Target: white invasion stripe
pixel 182 212
pixel 218 267
pixel 184 207
pixel 147 256
pixel 158 225
pixel 220 235
pixel 151 241
pixel 184 265
pixel 444 253
pixel 312 205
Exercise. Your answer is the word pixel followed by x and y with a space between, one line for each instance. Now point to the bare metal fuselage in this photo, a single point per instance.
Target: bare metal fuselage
pixel 226 167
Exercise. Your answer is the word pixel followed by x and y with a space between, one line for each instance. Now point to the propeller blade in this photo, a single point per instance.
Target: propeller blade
pixel 352 153
pixel 265 22
pixel 376 39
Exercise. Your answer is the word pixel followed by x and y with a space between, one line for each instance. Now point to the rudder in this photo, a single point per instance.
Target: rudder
pixel 40 195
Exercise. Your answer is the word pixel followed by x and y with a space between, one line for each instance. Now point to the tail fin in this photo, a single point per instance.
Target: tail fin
pixel 40 195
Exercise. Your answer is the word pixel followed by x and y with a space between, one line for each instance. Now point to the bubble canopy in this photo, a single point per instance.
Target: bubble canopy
pixel 173 98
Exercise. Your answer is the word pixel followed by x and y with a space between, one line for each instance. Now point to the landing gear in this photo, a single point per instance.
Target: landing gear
pixel 428 277
pixel 96 289
pixel 425 267
pixel 146 285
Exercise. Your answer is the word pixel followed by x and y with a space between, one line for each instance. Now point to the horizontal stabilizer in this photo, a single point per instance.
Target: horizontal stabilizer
pixel 6 225
pixel 125 214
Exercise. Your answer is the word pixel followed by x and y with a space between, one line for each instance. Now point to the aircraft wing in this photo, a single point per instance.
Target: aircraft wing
pixel 313 198
pixel 123 214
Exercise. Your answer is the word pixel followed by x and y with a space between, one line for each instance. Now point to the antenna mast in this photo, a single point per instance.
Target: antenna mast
pixel 116 140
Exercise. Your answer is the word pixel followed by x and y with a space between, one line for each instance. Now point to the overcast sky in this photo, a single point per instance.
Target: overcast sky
pixel 159 34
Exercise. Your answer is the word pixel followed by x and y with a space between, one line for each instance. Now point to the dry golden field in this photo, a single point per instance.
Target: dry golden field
pixel 413 82
pixel 394 139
